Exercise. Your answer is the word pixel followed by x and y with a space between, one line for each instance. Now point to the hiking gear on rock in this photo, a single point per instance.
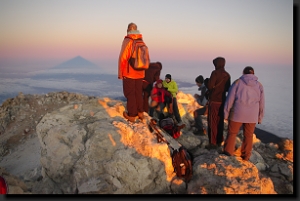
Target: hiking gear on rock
pixel 181 159
pixel 182 163
pixel 169 126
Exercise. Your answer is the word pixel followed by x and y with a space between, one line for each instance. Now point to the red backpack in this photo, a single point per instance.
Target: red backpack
pixel 169 126
pixel 182 163
pixel 3 186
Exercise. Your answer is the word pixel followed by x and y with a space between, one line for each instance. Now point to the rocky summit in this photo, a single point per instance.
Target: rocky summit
pixel 69 143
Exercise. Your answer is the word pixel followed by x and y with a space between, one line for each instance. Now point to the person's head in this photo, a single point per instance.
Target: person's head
pixel 248 70
pixel 131 26
pixel 219 62
pixel 168 78
pixel 199 80
pixel 159 63
pixel 159 83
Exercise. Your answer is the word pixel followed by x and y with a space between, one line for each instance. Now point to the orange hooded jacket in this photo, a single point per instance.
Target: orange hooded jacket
pixel 125 70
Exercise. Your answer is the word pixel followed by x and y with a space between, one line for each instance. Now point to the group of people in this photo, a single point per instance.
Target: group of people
pixel 242 107
pixel 241 103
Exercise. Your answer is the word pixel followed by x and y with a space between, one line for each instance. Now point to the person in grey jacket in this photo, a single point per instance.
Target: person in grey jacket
pixel 201 100
pixel 244 105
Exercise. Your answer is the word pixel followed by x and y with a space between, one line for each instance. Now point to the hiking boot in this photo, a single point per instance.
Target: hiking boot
pixel 226 153
pixel 131 119
pixel 245 158
pixel 141 115
pixel 199 132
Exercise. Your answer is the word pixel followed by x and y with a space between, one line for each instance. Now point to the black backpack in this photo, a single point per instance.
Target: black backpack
pixel 182 163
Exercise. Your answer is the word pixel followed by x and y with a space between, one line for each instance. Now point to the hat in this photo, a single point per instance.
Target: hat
pixel 159 81
pixel 168 76
pixel 248 70
pixel 131 26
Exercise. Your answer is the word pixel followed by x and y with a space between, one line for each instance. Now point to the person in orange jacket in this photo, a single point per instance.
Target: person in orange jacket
pixel 132 79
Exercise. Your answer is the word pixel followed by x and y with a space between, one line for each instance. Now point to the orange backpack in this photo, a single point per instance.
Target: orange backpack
pixel 139 59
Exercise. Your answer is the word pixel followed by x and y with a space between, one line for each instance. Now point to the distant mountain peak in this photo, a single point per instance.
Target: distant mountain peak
pixel 76 62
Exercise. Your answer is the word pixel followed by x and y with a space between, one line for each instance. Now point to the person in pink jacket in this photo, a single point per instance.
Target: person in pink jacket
pixel 244 106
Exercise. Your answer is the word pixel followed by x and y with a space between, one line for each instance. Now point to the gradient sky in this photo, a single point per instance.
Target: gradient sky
pixel 43 31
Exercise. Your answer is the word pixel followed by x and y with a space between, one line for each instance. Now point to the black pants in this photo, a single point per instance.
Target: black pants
pixel 147 87
pixel 198 117
pixel 132 89
pixel 175 110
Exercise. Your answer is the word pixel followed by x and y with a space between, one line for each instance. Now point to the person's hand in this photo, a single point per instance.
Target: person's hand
pixel 226 121
pixel 196 96
pixel 259 122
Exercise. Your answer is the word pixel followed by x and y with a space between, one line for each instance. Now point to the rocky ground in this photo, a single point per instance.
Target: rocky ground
pixel 20 150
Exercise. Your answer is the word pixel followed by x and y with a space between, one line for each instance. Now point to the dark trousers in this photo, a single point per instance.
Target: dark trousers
pixel 198 119
pixel 147 87
pixel 175 110
pixel 215 121
pixel 132 89
pixel 159 109
pixel 233 130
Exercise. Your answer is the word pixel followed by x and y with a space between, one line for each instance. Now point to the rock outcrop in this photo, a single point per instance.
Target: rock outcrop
pixel 87 147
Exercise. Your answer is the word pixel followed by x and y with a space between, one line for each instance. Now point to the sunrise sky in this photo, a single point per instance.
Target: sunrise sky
pixel 43 33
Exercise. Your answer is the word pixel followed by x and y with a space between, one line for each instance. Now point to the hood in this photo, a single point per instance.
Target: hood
pixel 157 82
pixel 219 62
pixel 134 34
pixel 249 79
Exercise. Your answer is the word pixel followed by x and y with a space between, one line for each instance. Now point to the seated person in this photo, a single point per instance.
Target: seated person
pixel 172 87
pixel 160 97
pixel 201 100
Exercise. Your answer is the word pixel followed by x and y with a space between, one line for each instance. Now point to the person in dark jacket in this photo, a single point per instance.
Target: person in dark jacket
pixel 245 105
pixel 152 74
pixel 218 84
pixel 201 100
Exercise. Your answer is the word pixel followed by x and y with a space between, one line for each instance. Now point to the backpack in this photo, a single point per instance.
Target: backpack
pixel 169 126
pixel 182 163
pixel 139 59
pixel 181 159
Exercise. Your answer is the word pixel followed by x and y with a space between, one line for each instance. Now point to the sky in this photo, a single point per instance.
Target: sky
pixel 37 34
